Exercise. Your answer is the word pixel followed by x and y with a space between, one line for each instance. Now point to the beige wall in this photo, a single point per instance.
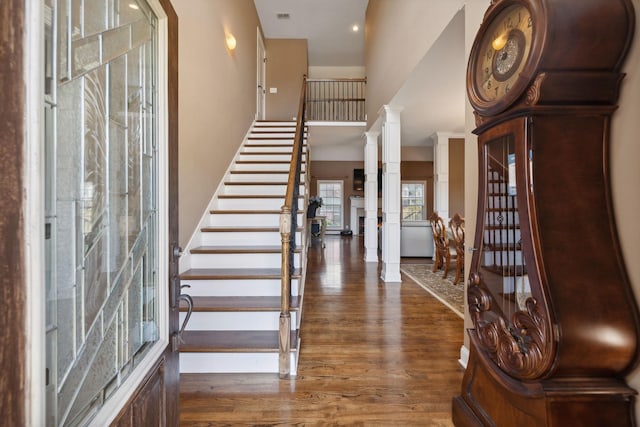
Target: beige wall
pixel 456 176
pixel 286 64
pixel 217 96
pixel 392 51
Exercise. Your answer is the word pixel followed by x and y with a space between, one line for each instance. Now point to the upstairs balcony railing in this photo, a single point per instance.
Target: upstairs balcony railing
pixel 335 100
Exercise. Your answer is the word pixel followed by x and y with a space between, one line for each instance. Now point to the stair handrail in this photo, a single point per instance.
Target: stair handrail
pixel 288 226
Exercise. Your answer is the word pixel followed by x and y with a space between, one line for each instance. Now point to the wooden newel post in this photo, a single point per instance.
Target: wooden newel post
pixel 284 336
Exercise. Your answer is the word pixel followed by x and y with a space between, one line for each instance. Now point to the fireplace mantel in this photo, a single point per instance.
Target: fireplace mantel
pixel 357 210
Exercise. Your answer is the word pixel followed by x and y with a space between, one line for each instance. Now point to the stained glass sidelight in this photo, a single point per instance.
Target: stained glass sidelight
pixel 101 200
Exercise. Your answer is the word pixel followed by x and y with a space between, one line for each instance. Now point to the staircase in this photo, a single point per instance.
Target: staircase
pixel 233 264
pixel 502 246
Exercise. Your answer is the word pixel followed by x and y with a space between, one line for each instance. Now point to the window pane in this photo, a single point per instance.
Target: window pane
pixel 332 203
pixel 413 203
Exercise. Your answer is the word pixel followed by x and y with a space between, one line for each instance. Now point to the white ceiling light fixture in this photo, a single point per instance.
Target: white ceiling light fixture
pixel 355 28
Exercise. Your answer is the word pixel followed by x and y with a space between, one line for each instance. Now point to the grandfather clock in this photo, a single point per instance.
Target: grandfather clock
pixel 555 323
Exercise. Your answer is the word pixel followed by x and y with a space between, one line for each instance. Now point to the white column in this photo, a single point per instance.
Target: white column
pixel 391 195
pixel 371 197
pixel 441 175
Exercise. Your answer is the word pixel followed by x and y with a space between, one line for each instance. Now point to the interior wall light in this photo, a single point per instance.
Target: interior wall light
pixel 230 41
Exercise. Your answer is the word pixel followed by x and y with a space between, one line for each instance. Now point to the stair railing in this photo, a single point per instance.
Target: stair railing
pixel 288 227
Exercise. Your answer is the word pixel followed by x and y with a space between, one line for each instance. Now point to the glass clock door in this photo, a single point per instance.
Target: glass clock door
pixel 501 262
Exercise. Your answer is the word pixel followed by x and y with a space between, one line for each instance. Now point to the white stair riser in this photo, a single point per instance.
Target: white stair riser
pixel 256 204
pixel 280 157
pixel 222 238
pixel 281 127
pixel 268 133
pixel 503 258
pixel 247 189
pixel 231 220
pixel 279 149
pixel 240 260
pixel 236 321
pixel 502 236
pixel 266 144
pixel 233 363
pixel 264 167
pixel 238 287
pixel 252 177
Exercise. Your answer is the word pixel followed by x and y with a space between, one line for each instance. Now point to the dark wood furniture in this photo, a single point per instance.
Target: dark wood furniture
pixel 445 251
pixel 456 225
pixel 439 230
pixel 555 323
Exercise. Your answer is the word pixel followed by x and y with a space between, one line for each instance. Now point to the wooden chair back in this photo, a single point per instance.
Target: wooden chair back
pixel 456 225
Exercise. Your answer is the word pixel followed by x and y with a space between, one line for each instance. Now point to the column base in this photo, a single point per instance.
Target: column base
pixel 371 255
pixel 391 273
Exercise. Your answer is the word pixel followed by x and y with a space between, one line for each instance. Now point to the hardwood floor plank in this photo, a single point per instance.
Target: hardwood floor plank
pixel 371 354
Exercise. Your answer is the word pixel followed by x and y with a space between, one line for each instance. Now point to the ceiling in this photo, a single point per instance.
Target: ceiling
pixel 326 24
pixel 432 97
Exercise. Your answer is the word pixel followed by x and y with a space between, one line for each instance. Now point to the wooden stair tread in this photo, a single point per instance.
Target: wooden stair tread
pixel 253 196
pixel 256 183
pixel 271 172
pixel 291 130
pixel 247 229
pixel 269 146
pixel 244 211
pixel 272 249
pixel 235 304
pixel 259 162
pixel 234 273
pixel 233 341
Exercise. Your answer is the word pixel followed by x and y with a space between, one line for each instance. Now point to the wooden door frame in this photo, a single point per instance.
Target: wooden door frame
pixel 22 355
pixel 17 396
pixel 261 70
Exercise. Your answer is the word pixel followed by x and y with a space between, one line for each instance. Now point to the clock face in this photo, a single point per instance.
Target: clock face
pixel 503 52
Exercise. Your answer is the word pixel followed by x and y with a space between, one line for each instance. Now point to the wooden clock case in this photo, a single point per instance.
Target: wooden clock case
pixel 560 357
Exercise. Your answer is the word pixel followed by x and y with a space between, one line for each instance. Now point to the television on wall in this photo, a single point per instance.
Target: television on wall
pixel 359 179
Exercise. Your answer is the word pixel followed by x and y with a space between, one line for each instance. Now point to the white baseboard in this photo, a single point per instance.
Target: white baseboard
pixel 464 357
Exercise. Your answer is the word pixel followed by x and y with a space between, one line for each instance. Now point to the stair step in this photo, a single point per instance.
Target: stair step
pixel 249 145
pixel 235 304
pixel 239 287
pixel 272 162
pixel 242 211
pixel 255 183
pixel 253 196
pixel 284 173
pixel 284 166
pixel 239 218
pixel 244 229
pixel 239 250
pixel 265 153
pixel 234 273
pixel 233 341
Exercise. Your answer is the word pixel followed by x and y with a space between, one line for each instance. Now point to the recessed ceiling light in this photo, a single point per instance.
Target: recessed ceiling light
pixel 283 16
pixel 355 28
pixel 134 6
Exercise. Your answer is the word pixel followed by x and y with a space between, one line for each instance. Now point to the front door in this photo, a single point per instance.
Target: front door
pixel 110 116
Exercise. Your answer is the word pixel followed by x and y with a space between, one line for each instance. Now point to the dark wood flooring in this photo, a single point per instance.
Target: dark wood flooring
pixel 372 354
